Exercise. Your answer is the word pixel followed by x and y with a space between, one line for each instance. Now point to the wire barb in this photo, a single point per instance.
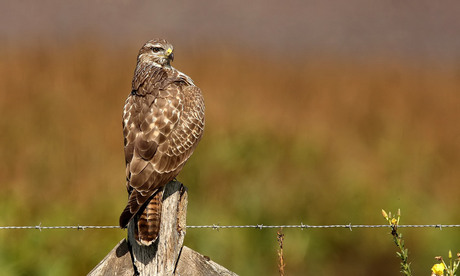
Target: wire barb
pixel 302 226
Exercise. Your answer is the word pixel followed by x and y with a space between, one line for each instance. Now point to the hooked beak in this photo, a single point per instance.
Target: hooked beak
pixel 169 54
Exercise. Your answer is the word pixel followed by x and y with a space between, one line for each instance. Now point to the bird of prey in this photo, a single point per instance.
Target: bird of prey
pixel 163 121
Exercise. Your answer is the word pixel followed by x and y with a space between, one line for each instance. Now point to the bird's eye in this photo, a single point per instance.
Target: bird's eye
pixel 156 49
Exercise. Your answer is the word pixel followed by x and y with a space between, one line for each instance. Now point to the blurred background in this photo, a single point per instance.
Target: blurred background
pixel 320 112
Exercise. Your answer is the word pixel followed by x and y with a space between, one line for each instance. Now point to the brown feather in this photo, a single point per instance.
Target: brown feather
pixel 163 121
pixel 148 224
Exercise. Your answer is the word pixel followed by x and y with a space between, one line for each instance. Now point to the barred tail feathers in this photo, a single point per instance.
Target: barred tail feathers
pixel 148 222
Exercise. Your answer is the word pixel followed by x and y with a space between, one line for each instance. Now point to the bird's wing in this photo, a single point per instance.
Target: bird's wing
pixel 161 131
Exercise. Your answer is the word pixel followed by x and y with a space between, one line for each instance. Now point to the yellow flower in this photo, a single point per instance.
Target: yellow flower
pixel 394 221
pixel 438 269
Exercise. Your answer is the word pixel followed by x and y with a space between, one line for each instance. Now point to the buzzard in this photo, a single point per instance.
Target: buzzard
pixel 163 121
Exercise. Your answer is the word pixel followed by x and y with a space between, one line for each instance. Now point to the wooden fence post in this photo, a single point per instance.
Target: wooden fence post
pixel 167 256
pixel 160 258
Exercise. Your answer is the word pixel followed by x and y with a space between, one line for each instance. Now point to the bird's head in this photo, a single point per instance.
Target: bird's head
pixel 158 51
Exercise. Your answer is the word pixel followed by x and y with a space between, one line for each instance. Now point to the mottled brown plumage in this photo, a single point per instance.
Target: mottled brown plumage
pixel 163 121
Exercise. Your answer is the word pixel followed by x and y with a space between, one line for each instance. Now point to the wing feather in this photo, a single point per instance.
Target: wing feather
pixel 162 124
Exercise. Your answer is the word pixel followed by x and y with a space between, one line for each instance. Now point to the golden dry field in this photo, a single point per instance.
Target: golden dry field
pixel 315 139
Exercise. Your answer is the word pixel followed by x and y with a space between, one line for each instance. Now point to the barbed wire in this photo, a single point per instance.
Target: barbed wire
pixel 253 226
pixel 78 227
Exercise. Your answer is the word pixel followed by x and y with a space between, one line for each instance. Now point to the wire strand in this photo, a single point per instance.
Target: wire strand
pixel 253 226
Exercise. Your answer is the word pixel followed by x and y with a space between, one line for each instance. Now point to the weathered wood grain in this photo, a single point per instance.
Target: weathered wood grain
pixel 192 263
pixel 167 256
pixel 160 258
